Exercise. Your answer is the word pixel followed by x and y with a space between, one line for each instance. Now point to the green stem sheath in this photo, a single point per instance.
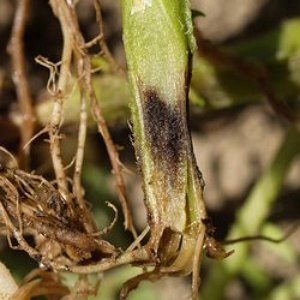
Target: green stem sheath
pixel 158 44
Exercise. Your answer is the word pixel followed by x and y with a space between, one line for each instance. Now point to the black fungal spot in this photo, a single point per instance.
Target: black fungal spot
pixel 164 127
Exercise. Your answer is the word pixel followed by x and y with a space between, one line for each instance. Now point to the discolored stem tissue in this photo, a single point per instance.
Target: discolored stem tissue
pixel 159 43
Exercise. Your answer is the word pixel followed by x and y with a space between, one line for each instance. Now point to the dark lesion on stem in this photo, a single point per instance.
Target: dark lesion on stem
pixel 164 129
pixel 165 140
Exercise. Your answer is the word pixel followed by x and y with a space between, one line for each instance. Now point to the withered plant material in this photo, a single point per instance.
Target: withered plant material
pixel 102 43
pixel 16 50
pixel 75 46
pixel 38 283
pixel 85 286
pixel 29 203
pixel 213 248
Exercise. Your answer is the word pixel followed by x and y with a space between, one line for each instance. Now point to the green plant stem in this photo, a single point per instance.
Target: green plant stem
pixel 158 44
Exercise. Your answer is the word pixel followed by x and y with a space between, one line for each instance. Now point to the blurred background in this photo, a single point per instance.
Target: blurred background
pixel 246 152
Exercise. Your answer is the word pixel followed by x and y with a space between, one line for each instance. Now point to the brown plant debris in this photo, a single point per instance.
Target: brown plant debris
pixel 16 50
pixel 39 282
pixel 31 204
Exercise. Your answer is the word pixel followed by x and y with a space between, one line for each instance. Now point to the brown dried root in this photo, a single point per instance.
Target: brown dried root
pixel 84 287
pixel 16 50
pixel 133 283
pixel 74 44
pixel 57 115
pixel 102 43
pixel 29 203
pixel 38 283
pixel 64 232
